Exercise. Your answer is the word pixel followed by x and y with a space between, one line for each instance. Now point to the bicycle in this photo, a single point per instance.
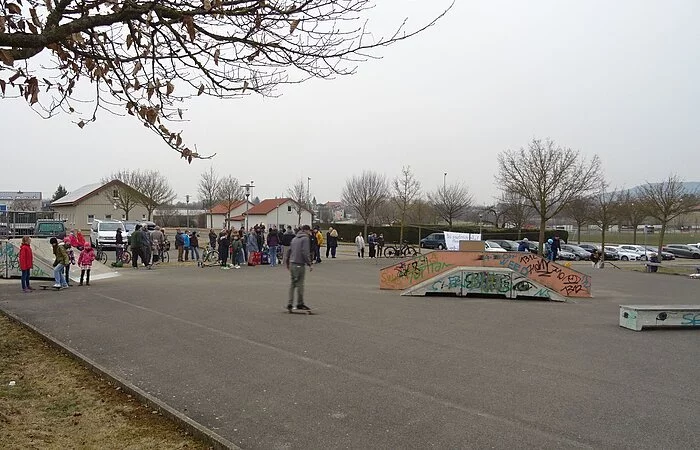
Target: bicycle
pixel 392 251
pixel 101 255
pixel 210 255
pixel 125 256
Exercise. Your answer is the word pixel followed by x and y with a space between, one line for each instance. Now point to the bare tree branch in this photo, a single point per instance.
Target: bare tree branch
pixel 451 201
pixel 208 190
pixel 406 188
pixel 147 57
pixel 548 176
pixel 365 194
pixel 300 195
pixel 229 193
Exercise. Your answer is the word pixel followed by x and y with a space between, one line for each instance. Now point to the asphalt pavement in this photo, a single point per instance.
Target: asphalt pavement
pixel 373 369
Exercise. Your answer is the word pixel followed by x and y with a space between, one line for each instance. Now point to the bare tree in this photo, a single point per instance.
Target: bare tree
pixel 548 176
pixel 498 211
pixel 516 210
pixel 155 188
pixel 124 196
pixel 579 210
pixel 168 214
pixel 405 189
pixel 387 213
pixel 450 201
pixel 603 211
pixel 422 212
pixel 365 193
pixel 208 190
pixel 229 193
pixel 667 200
pixel 633 211
pixel 299 193
pixel 147 57
pixel 22 204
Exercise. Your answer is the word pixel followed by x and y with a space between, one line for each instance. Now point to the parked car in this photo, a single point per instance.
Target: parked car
pixel 49 228
pixel 508 245
pixel 665 256
pixel 610 254
pixel 104 232
pixel 622 254
pixel 683 250
pixel 590 247
pixel 491 246
pixel 434 240
pixel 566 255
pixel 643 253
pixel 581 254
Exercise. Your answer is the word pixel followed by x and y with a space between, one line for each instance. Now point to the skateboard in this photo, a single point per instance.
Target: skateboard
pixel 49 286
pixel 308 312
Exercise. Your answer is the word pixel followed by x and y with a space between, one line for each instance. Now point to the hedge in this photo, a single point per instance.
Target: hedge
pixel 347 232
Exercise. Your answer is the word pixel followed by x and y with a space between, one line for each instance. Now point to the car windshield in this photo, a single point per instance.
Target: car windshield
pixel 576 248
pixel 110 226
pixel 493 244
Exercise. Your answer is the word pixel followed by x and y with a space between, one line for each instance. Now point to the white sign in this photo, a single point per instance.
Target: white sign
pixel 452 239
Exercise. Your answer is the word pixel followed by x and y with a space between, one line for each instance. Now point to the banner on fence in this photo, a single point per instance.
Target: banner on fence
pixel 452 239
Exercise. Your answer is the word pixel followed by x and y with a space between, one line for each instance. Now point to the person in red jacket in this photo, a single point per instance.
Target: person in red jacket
pixel 26 262
pixel 87 256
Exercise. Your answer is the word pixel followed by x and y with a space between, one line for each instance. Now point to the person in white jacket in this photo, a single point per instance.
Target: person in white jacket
pixel 360 244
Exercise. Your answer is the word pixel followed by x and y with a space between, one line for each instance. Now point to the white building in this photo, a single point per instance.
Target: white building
pixel 274 211
pixel 218 216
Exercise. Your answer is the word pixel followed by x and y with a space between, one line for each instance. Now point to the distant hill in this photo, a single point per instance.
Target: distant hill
pixel 690 187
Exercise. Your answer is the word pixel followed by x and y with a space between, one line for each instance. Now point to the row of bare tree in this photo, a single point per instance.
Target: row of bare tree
pixel 148 188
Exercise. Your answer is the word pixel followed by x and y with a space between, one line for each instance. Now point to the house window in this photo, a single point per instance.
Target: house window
pixel 108 216
pixel 91 218
pixel 115 193
pixel 123 216
pixel 143 217
pixel 289 208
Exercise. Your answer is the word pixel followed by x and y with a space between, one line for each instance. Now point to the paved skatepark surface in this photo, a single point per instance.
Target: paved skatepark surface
pixel 373 369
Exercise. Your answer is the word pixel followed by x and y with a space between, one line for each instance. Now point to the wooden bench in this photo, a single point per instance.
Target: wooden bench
pixel 636 317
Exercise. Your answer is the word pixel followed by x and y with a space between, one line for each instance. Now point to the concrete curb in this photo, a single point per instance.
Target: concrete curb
pixel 195 429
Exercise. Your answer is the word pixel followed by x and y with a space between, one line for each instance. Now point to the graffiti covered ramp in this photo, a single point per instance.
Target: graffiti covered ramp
pixel 558 279
pixel 478 281
pixel 43 261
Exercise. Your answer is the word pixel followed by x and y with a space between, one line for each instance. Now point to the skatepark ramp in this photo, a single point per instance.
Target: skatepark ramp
pixel 483 281
pixel 43 261
pixel 430 271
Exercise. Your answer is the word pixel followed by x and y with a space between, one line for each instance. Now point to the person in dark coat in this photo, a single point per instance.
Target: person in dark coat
pixel 331 242
pixel 212 239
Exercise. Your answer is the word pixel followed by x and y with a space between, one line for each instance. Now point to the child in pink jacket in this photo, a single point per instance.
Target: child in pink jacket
pixel 87 256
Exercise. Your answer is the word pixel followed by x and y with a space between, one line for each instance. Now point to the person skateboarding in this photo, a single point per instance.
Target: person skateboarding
pixel 299 258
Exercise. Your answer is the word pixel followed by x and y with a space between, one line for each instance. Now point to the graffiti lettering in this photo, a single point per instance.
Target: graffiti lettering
pixel 691 319
pixel 420 268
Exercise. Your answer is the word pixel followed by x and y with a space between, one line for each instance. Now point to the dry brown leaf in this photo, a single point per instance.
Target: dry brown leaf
pixel 150 90
pixel 6 57
pixel 129 41
pixel 293 25
pixel 81 124
pixel 179 113
pixel 201 89
pixel 169 88
pixel 14 8
pixel 189 24
pixel 137 67
pixel 245 85
pixel 207 5
pixel 216 56
pixel 178 140
pixel 33 89
pixel 35 17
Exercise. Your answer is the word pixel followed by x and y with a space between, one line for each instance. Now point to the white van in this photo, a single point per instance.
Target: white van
pixel 103 232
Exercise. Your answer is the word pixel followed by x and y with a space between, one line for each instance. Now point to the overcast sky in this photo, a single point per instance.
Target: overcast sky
pixel 613 78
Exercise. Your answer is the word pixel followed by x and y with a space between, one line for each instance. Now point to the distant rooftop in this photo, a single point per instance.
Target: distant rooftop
pixel 19 195
pixel 78 194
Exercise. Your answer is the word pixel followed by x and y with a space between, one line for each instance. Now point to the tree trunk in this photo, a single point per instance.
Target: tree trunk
pixel 602 247
pixel 634 235
pixel 211 219
pixel 403 218
pixel 578 234
pixel 365 231
pixel 661 238
pixel 543 223
pixel 449 224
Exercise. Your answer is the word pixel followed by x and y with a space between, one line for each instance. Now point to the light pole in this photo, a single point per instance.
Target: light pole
pixel 444 182
pixel 308 199
pixel 645 243
pixel 247 187
pixel 480 236
pixel 187 200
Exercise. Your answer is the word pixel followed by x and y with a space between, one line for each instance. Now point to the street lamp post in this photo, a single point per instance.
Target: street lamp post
pixel 480 236
pixel 308 199
pixel 187 200
pixel 444 182
pixel 247 187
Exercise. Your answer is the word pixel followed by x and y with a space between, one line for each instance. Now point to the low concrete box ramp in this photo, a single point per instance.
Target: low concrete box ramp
pixel 559 279
pixel 43 261
pixel 481 281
